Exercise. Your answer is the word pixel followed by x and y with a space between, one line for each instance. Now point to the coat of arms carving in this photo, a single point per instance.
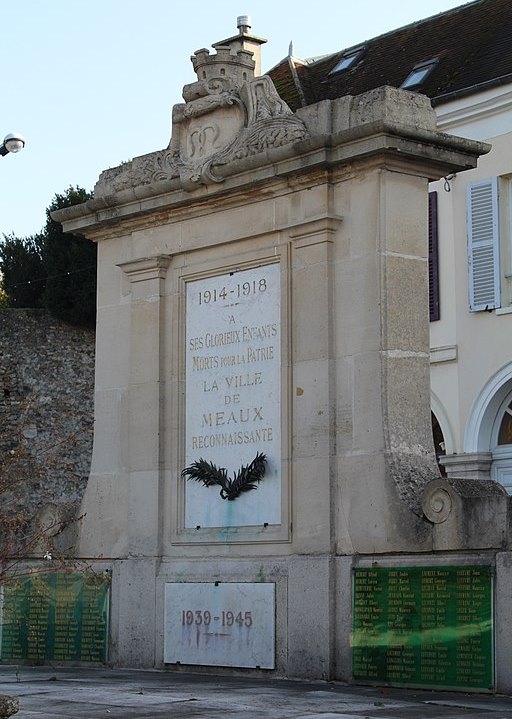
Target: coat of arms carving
pixel 228 114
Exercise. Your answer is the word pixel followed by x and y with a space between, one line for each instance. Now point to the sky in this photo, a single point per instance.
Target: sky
pixel 91 84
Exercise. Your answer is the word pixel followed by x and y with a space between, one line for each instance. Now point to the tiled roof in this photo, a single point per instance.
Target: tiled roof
pixel 473 45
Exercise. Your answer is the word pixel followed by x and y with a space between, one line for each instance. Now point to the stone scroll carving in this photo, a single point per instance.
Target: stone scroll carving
pixel 437 503
pixel 221 121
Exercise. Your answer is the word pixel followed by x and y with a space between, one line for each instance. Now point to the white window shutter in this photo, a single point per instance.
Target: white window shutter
pixel 483 245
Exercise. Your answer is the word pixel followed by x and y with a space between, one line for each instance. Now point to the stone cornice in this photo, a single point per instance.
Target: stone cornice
pixel 435 156
pixel 147 268
pixel 315 230
pixel 459 111
pixel 340 132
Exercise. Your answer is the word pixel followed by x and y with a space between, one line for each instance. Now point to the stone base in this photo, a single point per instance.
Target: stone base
pixel 470 465
pixel 313 610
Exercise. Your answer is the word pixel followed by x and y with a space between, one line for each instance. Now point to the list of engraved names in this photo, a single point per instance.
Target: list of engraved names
pixel 424 626
pixel 233 389
pixel 57 617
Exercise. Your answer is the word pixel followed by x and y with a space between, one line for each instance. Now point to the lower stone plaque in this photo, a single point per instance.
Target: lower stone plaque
pixel 424 626
pixel 220 624
pixel 55 617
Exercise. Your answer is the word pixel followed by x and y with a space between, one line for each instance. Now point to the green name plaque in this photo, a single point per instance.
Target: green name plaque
pixel 55 617
pixel 424 626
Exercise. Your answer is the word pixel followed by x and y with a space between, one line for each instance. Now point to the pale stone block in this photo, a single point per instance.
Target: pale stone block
pixel 366 490
pixel 112 347
pixel 164 239
pixel 367 407
pixel 466 513
pixel 103 529
pixel 407 423
pixel 361 218
pixel 405 305
pixel 357 290
pixel 313 495
pixel 111 286
pixel 315 200
pixel 405 220
pixel 317 117
pixel 311 302
pixel 146 334
pixel 310 619
pixel 216 228
pixel 343 607
pixel 407 426
pixel 109 426
pixel 144 426
pixel 133 609
pixel 144 511
pixel 503 628
pixel 302 204
pixel 312 402
pixel 344 420
pixel 386 104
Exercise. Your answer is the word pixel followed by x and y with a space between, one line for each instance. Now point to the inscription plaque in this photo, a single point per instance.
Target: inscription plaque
pixel 424 626
pixel 220 624
pixel 55 617
pixel 233 392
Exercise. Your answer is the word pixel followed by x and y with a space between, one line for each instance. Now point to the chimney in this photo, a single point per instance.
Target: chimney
pixel 244 41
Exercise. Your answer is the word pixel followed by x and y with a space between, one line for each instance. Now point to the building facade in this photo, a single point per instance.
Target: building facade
pixel 460 59
pixel 471 344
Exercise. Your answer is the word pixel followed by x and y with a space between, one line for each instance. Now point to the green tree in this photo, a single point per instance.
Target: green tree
pixel 70 263
pixel 23 272
pixel 53 269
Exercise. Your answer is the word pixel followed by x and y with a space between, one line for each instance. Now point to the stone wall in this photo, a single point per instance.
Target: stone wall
pixel 46 413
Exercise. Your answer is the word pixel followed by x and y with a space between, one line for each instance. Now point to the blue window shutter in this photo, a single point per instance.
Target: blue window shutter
pixel 483 245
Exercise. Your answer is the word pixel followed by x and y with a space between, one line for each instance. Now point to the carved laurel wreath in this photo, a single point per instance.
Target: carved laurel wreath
pixel 247 477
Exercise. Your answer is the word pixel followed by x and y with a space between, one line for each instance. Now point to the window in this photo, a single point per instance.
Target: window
pixel 433 259
pixel 489 244
pixel 347 60
pixel 501 445
pixel 439 444
pixel 505 426
pixel 419 74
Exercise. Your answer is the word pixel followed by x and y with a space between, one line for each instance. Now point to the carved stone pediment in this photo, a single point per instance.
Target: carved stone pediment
pixel 229 126
pixel 228 115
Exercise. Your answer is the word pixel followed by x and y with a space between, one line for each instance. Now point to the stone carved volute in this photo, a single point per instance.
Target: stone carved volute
pixel 437 502
pixel 228 115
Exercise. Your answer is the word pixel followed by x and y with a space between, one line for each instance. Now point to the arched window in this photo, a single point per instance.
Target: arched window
pixel 439 443
pixel 505 426
pixel 501 444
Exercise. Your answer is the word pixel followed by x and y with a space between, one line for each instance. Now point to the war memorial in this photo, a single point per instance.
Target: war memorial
pixel 264 495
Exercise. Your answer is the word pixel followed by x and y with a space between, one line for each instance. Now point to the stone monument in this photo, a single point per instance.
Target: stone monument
pixel 262 374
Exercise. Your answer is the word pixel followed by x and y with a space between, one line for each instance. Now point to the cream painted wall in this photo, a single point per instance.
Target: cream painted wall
pixel 481 341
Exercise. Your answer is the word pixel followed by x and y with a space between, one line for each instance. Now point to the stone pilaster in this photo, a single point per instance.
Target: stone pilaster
pixel 145 403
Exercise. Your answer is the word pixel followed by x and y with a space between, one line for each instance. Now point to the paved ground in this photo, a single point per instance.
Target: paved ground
pixel 47 693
